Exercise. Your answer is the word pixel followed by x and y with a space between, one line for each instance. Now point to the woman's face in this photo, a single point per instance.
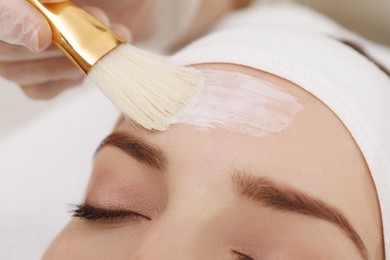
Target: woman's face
pixel 302 192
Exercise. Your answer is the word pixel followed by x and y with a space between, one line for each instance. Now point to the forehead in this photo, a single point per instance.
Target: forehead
pixel 242 104
pixel 310 133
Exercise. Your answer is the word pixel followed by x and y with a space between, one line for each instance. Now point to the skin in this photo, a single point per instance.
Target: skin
pixel 194 211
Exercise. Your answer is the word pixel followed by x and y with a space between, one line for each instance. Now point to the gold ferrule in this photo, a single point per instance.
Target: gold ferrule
pixel 79 35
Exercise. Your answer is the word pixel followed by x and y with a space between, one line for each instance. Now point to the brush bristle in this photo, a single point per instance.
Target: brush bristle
pixel 148 89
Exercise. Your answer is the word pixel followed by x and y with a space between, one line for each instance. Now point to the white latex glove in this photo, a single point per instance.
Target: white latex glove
pixel 27 56
pixel 43 72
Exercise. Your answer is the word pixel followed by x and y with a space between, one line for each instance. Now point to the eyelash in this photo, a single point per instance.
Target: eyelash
pixel 93 214
pixel 241 256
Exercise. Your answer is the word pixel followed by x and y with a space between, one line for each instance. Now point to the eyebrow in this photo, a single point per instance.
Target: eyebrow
pixel 283 198
pixel 136 148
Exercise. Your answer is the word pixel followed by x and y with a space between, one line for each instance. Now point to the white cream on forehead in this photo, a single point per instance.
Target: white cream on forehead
pixel 241 104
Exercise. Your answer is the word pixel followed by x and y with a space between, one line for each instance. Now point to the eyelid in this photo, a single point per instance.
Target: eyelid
pixel 95 214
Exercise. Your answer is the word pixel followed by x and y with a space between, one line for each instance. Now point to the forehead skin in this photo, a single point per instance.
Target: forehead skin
pixel 315 154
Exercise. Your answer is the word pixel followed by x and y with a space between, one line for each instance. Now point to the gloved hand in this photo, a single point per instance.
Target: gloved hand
pixel 27 56
pixel 43 71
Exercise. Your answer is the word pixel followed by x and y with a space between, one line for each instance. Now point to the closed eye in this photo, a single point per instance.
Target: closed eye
pixel 94 214
pixel 241 256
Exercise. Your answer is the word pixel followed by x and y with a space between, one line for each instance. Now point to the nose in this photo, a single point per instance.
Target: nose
pixel 174 240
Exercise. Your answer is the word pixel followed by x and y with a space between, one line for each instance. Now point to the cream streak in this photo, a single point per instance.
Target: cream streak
pixel 242 104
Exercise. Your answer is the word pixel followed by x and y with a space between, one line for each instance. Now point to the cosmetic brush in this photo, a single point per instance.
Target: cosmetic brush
pixel 149 89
